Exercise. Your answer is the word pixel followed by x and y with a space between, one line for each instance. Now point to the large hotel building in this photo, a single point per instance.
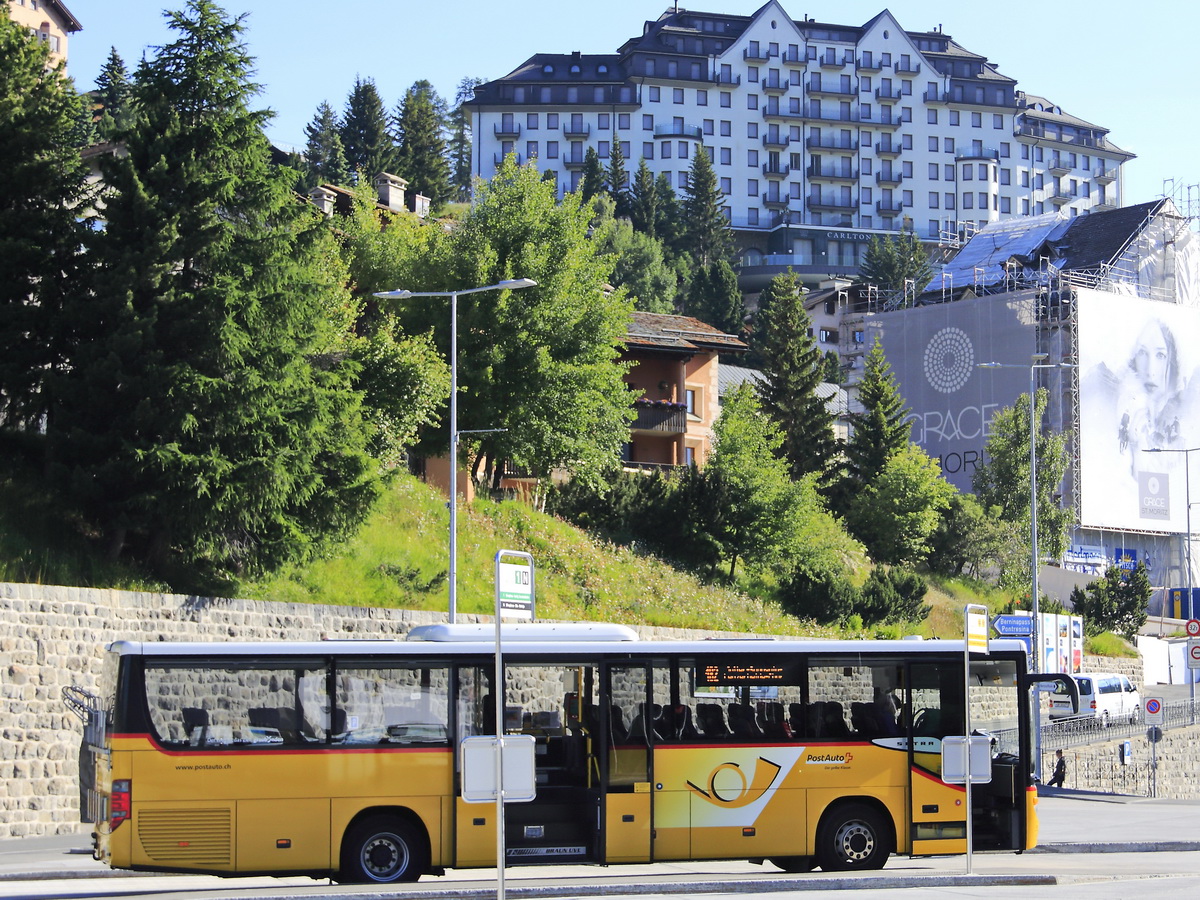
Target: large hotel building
pixel 821 135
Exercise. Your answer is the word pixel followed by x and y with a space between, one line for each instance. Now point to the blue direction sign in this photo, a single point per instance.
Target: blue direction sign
pixel 1013 626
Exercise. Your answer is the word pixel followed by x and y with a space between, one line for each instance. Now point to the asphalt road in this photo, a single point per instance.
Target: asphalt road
pixel 1093 845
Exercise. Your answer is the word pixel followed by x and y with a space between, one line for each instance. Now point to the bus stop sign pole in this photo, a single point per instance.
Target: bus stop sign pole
pixel 514 594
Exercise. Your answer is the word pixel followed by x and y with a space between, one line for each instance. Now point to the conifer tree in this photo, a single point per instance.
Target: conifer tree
pixel 792 366
pixel 618 180
pixel 705 229
pixel 368 146
pixel 643 200
pixel 421 145
pixel 889 264
pixel 668 216
pixel 210 419
pixel 881 430
pixel 113 92
pixel 42 188
pixel 325 158
pixel 592 182
pixel 460 139
pixel 714 297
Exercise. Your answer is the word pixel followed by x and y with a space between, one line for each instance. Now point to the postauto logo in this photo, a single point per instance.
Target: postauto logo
pixel 828 759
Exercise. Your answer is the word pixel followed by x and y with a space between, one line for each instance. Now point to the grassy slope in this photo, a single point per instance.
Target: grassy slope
pixel 400 560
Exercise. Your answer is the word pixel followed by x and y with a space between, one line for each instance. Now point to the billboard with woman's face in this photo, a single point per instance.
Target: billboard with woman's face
pixel 1139 398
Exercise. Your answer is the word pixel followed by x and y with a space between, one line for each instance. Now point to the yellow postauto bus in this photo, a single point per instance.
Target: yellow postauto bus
pixel 339 758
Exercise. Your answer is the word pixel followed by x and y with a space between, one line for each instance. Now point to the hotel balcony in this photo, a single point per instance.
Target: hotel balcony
pixel 1059 168
pixel 573 160
pixel 664 419
pixel 878 120
pixel 760 55
pixel 774 113
pixel 499 158
pixel 719 78
pixel 889 179
pixel 830 173
pixel 817 90
pixel 888 149
pixel 776 171
pixel 869 65
pixel 775 201
pixel 831 61
pixel 889 207
pixel 909 68
pixel 578 132
pixel 831 143
pixel 776 142
pixel 1058 198
pixel 936 97
pixel 889 94
pixel 830 203
pixel 774 87
pixel 508 132
pixel 695 132
pixel 794 59
pixel 1105 176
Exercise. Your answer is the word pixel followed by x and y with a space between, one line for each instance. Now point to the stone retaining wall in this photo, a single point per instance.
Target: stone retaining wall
pixel 52 637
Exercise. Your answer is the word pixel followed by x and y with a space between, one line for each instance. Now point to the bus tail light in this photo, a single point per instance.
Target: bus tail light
pixel 119 802
pixel 1093 704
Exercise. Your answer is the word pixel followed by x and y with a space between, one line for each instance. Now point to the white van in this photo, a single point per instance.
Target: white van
pixel 1104 696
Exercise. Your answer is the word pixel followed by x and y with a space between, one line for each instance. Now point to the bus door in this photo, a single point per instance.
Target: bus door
pixel 625 762
pixel 934 706
pixel 553 702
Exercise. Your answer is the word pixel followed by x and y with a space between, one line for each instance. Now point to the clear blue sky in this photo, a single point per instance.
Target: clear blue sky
pixel 1125 67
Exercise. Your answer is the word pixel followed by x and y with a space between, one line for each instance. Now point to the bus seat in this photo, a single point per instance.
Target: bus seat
pixel 834 720
pixel 864 720
pixel 679 724
pixel 616 723
pixel 639 727
pixel 195 725
pixel 772 721
pixel 741 721
pixel 798 717
pixel 712 720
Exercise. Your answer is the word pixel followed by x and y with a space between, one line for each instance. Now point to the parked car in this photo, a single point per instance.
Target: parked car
pixel 1103 696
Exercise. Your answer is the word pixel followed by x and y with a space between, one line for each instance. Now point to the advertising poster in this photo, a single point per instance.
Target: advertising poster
pixel 1139 406
pixel 935 352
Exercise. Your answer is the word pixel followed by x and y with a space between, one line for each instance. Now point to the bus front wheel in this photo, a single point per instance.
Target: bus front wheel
pixel 852 837
pixel 382 850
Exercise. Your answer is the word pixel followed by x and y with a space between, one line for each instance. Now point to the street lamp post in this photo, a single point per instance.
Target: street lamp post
pixel 508 285
pixel 1037 361
pixel 1187 489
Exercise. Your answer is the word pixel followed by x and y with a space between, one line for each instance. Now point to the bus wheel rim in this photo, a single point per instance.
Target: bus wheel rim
pixel 855 841
pixel 383 856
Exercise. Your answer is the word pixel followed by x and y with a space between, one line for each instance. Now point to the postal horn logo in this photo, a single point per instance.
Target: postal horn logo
pixel 949 359
pixel 729 787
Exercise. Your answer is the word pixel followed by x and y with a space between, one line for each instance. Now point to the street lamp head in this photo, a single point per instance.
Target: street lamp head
pixel 515 284
pixel 392 295
pixel 1039 357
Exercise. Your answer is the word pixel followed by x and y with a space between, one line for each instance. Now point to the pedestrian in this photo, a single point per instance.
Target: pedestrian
pixel 1060 770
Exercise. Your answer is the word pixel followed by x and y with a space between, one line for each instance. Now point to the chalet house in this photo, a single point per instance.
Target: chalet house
pixel 675 383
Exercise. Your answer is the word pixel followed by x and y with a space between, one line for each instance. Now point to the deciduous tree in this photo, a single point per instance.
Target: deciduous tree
pixel 1117 602
pixel 1002 482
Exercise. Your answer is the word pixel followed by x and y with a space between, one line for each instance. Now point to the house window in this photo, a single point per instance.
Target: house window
pixel 647 122
pixel 648 149
pixel 689 397
pixel 726 128
pixel 933 199
pixel 623 121
pixel 933 143
pixel 726 99
pixel 689 456
pixel 702 98
pixel 677 95
pixel 602 121
pixel 653 93
pixel 707 126
pixel 531 121
pixel 976 120
pixel 551 120
pixel 933 171
pixel 552 149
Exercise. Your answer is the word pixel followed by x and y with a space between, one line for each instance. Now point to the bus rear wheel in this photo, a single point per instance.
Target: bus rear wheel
pixel 383 850
pixel 852 837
